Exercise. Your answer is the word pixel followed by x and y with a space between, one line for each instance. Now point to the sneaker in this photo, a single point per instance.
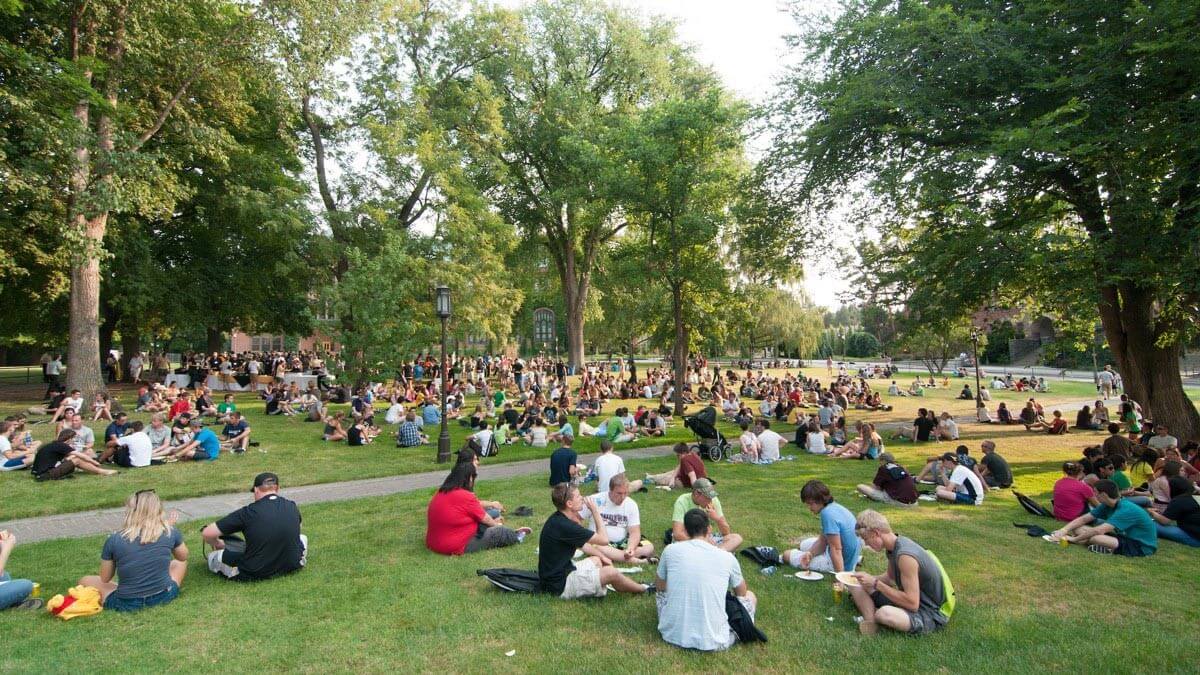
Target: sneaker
pixel 926 482
pixel 1097 548
pixel 31 603
pixel 650 589
pixel 647 480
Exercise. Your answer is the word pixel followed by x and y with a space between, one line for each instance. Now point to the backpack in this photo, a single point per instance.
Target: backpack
pixel 1032 506
pixel 511 580
pixel 897 472
pixel 947 607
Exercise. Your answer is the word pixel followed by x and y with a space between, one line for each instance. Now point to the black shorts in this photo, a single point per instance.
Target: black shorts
pixel 920 622
pixel 1129 547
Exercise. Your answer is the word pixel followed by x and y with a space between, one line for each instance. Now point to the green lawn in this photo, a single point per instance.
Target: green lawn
pixel 295 450
pixel 374 600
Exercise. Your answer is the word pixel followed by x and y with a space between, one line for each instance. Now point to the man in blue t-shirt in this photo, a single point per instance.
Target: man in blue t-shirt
pixel 562 463
pixel 204 444
pixel 838 548
pixel 1115 526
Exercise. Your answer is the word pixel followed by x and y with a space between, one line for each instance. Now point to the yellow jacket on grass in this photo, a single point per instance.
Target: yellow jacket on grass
pixel 79 601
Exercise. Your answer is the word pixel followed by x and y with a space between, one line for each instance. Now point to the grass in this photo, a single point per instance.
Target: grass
pixel 294 449
pixel 374 600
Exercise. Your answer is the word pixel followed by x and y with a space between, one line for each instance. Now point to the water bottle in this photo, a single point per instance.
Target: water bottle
pixel 768 571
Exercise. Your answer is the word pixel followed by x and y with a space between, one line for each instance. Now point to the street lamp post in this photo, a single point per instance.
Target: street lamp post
pixel 442 309
pixel 975 353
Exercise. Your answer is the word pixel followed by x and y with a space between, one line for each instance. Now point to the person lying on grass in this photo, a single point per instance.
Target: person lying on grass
pixel 622 523
pixel 910 596
pixel 962 486
pixel 837 548
pixel 456 521
pixel 704 496
pixel 1117 526
pixel 561 535
pixel 273 543
pixel 148 555
pixel 692 581
pixel 49 463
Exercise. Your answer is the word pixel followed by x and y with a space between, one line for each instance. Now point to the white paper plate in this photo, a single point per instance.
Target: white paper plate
pixel 809 575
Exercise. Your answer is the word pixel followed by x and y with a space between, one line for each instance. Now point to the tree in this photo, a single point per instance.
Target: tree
pixel 685 155
pixel 935 345
pixel 578 74
pixel 997 343
pixel 1055 135
pixel 861 344
pixel 776 318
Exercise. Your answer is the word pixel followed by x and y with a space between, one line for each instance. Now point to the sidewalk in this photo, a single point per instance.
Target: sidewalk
pixel 104 521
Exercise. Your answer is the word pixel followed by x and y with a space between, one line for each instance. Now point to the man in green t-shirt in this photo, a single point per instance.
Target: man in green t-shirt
pixel 704 496
pixel 1115 526
pixel 614 429
pixel 224 408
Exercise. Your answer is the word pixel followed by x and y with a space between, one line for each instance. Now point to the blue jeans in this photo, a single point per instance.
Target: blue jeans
pixel 134 604
pixel 13 591
pixel 1176 534
pixel 1143 502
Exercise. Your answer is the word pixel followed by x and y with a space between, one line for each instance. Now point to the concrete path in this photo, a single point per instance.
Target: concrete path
pixel 85 523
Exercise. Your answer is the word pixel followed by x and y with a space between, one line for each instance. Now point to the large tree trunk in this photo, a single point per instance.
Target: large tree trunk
pixel 214 339
pixel 575 289
pixel 679 350
pixel 131 344
pixel 1150 373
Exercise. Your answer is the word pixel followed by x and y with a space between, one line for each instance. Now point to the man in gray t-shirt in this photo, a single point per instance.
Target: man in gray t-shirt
pixel 911 597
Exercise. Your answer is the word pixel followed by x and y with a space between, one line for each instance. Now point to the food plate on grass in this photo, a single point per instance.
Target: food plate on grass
pixel 847 578
pixel 809 575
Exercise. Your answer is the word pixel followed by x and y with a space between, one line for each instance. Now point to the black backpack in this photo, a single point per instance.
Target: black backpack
pixel 511 580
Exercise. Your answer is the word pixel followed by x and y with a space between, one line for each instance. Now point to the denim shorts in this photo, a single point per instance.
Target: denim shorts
pixel 134 604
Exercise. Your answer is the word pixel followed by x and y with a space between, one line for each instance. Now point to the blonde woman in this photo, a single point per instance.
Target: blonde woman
pixel 148 556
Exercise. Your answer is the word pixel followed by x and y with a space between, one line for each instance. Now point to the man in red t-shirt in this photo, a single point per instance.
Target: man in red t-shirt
pixel 181 404
pixel 689 469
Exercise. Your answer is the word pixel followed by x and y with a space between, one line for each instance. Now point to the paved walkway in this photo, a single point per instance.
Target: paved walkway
pixel 85 523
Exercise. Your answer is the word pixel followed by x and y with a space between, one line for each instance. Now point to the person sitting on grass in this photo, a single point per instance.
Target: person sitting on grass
pixel 409 435
pixel 456 521
pixel 236 433
pixel 148 555
pixel 749 443
pixel 892 484
pixel 1116 443
pixel 993 469
pixel 204 403
pixel 692 583
pixel 1056 427
pixel 12 459
pixel 204 444
pixel 273 545
pixel 49 463
pixel 947 428
pixel 360 433
pixel 563 468
pixel 134 449
pixel 769 441
pixel 1120 526
pixel 689 469
pixel 1180 520
pixel 837 548
pixel 182 404
pixel 814 439
pixel 962 486
pixel 14 593
pixel 656 424
pixel 225 408
pixel 561 535
pixel 1072 496
pixel 1085 421
pixel 622 523
pixel 73 403
pixel 910 597
pixel 334 431
pixel 704 496
pixel 538 436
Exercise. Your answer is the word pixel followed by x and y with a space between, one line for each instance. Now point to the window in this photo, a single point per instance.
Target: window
pixel 266 343
pixel 543 325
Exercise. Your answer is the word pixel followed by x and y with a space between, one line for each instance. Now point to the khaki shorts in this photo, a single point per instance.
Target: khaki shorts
pixel 584 582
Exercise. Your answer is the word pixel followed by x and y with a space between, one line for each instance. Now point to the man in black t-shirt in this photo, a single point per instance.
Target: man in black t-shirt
pixel 923 426
pixel 993 469
pixel 561 535
pixel 50 459
pixel 273 543
pixel 562 463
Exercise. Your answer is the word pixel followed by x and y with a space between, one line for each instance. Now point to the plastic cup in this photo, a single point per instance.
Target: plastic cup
pixel 837 593
pixel 1063 542
pixel 37 590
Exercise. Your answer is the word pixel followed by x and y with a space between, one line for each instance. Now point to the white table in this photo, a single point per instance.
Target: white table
pixel 181 380
pixel 217 384
pixel 300 379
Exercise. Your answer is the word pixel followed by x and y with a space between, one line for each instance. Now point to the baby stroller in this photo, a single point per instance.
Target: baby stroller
pixel 710 442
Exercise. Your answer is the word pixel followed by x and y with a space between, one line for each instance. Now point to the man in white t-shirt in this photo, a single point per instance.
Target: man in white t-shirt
pixel 1106 382
pixel 135 448
pixel 1161 440
pixel 768 442
pixel 963 486
pixel 607 465
pixel 622 523
pixel 692 581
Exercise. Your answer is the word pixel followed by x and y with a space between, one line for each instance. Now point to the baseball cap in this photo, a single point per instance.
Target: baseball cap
pixel 949 457
pixel 266 479
pixel 705 487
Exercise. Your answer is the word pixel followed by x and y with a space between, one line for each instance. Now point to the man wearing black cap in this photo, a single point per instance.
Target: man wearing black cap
pixel 273 543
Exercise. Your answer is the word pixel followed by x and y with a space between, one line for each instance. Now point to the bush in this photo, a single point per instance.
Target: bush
pixel 862 344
